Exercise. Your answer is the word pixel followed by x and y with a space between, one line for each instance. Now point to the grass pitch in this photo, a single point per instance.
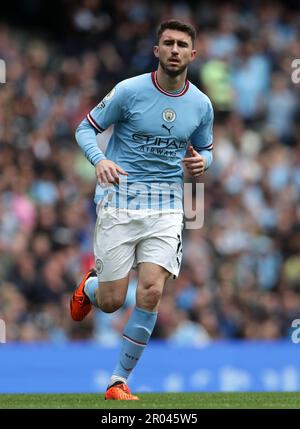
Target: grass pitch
pixel 154 401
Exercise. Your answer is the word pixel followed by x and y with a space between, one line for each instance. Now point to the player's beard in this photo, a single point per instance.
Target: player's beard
pixel 171 72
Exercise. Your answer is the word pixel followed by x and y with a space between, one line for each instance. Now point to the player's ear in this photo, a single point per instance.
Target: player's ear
pixel 193 54
pixel 155 51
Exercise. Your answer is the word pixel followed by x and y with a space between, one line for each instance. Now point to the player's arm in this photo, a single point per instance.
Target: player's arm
pixel 107 112
pixel 200 154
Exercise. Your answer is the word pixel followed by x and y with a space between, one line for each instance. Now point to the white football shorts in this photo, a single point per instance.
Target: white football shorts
pixel 125 238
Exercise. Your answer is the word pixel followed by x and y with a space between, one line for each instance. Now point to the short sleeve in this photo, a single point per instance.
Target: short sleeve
pixel 110 110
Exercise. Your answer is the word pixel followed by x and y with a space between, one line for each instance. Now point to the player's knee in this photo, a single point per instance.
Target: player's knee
pixel 152 296
pixel 110 305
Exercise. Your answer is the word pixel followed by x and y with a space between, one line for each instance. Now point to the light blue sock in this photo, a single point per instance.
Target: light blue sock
pixel 91 285
pixel 136 335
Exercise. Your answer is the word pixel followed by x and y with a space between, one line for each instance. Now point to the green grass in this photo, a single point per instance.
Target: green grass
pixel 155 400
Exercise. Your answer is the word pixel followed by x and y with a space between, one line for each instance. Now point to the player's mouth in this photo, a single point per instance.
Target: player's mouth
pixel 174 60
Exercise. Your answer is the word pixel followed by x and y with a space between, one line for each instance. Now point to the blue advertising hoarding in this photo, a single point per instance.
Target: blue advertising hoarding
pixel 215 367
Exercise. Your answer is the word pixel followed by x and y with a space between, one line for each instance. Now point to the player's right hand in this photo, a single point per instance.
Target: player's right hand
pixel 108 172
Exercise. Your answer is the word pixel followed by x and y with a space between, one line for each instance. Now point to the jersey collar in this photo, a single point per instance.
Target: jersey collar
pixel 170 94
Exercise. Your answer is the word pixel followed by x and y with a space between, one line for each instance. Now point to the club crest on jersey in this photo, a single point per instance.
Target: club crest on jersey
pixel 169 115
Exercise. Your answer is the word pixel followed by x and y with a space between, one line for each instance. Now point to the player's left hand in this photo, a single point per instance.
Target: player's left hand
pixel 195 163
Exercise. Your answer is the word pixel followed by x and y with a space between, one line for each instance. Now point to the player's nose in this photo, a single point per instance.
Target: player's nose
pixel 175 48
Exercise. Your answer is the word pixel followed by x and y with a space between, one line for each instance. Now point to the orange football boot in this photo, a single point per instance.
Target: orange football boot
pixel 80 304
pixel 119 392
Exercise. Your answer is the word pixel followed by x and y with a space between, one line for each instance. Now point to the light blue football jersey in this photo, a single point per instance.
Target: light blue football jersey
pixel 152 131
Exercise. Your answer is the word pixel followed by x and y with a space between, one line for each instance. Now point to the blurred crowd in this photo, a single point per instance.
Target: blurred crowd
pixel 240 276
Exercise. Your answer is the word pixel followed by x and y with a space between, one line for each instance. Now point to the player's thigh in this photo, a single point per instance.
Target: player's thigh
pixel 151 281
pixel 150 273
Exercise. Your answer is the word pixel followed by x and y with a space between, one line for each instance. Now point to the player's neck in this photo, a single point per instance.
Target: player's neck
pixel 168 83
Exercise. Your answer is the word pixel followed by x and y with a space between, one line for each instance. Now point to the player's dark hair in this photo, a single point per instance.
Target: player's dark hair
pixel 174 24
